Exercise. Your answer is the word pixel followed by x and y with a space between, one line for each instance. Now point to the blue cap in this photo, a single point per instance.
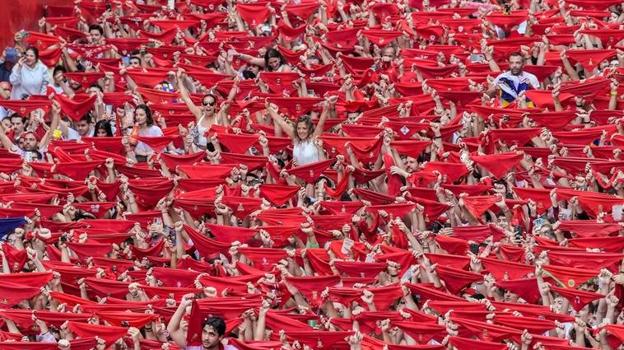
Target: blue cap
pixel 11 55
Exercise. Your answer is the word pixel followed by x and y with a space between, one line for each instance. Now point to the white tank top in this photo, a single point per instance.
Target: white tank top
pixel 305 152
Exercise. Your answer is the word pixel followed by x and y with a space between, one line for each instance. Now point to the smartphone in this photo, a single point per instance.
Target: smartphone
pixel 476 58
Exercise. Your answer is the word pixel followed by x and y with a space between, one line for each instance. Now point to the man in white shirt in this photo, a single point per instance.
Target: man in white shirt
pixel 512 83
pixel 213 331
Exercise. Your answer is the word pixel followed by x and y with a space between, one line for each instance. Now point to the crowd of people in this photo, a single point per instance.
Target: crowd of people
pixel 314 174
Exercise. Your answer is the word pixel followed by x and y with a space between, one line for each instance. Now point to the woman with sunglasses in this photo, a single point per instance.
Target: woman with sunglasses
pixel 207 114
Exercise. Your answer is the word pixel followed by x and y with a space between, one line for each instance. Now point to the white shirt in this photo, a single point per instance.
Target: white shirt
pixel 143 149
pixel 305 152
pixel 29 81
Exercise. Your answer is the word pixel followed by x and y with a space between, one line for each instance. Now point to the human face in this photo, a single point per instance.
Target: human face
pixel 101 133
pixel 411 164
pixel 127 129
pixel 140 117
pixel 134 63
pixel 313 61
pixel 387 54
pixel 95 36
pixel 254 69
pixel 92 91
pixel 210 338
pixel 18 124
pixel 209 104
pixel 30 142
pixel 274 63
pixel 6 123
pixel 31 59
pixel 515 64
pixel 134 291
pixel 302 131
pixel 83 127
pixel 59 77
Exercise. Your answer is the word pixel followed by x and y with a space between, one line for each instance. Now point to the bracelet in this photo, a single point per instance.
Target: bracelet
pixel 613 93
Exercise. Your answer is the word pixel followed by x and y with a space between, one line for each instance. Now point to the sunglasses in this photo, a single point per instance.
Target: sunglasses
pixel 208 103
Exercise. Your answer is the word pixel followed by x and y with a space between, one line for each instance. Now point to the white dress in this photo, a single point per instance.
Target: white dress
pixel 305 152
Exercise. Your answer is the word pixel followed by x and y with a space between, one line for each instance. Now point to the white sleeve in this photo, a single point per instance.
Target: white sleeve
pixel 534 82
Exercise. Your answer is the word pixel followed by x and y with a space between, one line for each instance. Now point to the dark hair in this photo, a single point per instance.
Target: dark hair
pixel 214 98
pixel 307 121
pixel 516 54
pixel 135 57
pixel 87 118
pixel 34 51
pixel 58 69
pixel 96 27
pixel 104 125
pixel 217 323
pixel 15 115
pixel 148 114
pixel 272 53
pixel 248 74
pixel 97 86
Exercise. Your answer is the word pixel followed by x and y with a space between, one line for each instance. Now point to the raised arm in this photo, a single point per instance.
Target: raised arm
pixel 186 96
pixel 288 129
pixel 328 106
pixel 56 119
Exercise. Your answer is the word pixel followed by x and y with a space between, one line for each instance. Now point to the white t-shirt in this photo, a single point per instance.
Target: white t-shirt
pixel 141 148
pixel 305 152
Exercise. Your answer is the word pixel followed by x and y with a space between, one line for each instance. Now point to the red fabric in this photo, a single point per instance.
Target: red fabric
pixel 13 293
pixel 157 143
pixel 172 160
pixel 237 143
pixel 109 333
pixel 429 72
pixel 149 192
pixel 510 136
pixel 525 288
pixel 499 269
pixel 302 10
pixel 532 325
pixel 589 59
pixel 486 331
pixel 543 98
pixel 607 244
pixel 133 319
pixel 77 170
pixel 204 245
pixel 410 148
pixel 456 279
pixel 24 107
pixel 295 106
pixel 381 37
pixel 278 194
pixel 421 332
pixel 253 14
pixel 311 287
pixel 231 233
pixel 467 343
pixel 498 164
pixel 478 205
pixel 312 171
pixel 578 298
pixel 569 277
pixel 77 107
